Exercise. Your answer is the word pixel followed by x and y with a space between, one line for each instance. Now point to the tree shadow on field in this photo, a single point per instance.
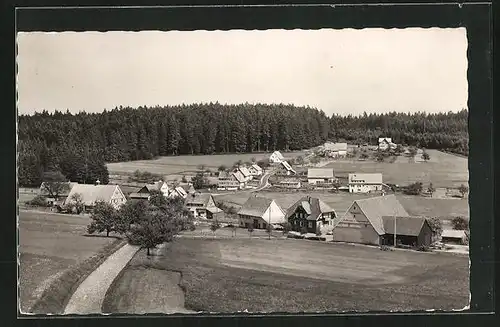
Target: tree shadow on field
pixel 103 236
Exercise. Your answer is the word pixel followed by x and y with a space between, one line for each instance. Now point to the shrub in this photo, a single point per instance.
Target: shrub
pixel 460 223
pixel 39 201
pixel 424 248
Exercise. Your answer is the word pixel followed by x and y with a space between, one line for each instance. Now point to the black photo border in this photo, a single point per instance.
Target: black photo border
pixel 475 16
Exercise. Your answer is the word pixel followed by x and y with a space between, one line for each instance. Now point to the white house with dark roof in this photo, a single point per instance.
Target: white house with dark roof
pixel 202 205
pixel 144 192
pixel 365 183
pixel 336 149
pixel 276 157
pixel 320 175
pixel 259 212
pixel 178 192
pixel 90 194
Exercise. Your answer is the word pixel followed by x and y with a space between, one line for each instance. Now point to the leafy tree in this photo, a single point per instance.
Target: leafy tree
pixel 431 189
pixel 436 227
pixel 412 152
pixel 157 198
pixel 202 168
pixel 460 223
pixel 153 230
pixel 414 189
pixel 77 203
pixel 104 218
pixel 318 231
pixel 363 155
pixel 425 156
pixel 38 201
pixel 184 179
pixel 234 228
pixel 131 212
pixel 379 156
pixel 54 183
pixel 463 189
pixel 253 160
pixel 299 160
pixel 199 181
pixel 214 226
pixel 222 168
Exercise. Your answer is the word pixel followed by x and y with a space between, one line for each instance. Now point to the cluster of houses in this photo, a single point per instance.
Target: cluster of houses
pixel 240 178
pixel 372 221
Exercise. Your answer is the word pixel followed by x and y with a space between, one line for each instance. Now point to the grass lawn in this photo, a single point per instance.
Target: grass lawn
pixel 340 202
pixel 442 170
pixel 49 245
pixel 177 164
pixel 258 275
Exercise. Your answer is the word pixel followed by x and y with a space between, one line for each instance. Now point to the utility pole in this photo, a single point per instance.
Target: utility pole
pixel 269 226
pixel 395 237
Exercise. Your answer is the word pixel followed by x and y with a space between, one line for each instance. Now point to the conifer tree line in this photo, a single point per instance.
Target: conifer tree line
pixel 78 145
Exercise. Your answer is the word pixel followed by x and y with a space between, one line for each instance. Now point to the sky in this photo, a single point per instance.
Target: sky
pixel 338 71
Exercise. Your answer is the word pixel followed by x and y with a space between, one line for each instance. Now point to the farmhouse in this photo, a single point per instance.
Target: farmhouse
pixel 63 191
pixel 371 221
pixel 187 187
pixel 245 173
pixel 200 204
pixel 365 183
pixel 276 157
pixel 216 213
pixel 290 183
pixel 145 191
pixel 240 178
pixel 90 194
pixel 255 170
pixel 228 181
pixel 310 213
pixel 336 150
pixel 320 175
pixel 385 143
pixel 286 169
pixel 259 212
pixel 452 236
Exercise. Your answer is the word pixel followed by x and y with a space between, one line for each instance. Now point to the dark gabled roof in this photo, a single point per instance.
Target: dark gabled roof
pixel 312 206
pixel 139 195
pixel 239 176
pixel 409 226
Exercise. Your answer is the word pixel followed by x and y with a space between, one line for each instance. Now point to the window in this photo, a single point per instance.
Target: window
pixel 310 224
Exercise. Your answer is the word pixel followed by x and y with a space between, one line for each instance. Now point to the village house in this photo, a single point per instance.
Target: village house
pixel 286 169
pixel 259 212
pixel 90 194
pixel 385 143
pixel 241 179
pixel 365 183
pixel 255 170
pixel 320 176
pixel 62 194
pixel 292 183
pixel 371 221
pixel 254 183
pixel 276 157
pixel 201 205
pixel 229 181
pixel 144 192
pixel 188 187
pixel 310 213
pixel 336 150
pixel 245 173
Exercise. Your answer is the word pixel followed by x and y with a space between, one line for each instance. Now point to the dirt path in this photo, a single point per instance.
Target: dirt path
pixel 89 296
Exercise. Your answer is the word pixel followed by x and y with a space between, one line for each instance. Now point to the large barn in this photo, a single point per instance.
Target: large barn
pixel 371 221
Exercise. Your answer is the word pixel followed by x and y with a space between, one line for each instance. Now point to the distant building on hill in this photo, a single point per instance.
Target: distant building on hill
pixel 255 170
pixel 365 183
pixel 336 150
pixel 144 192
pixel 276 157
pixel 230 181
pixel 286 169
pixel 385 143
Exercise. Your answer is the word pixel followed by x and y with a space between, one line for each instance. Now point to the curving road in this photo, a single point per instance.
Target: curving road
pixel 264 182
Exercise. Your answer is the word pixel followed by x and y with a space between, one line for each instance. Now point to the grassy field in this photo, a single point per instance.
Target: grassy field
pixel 442 170
pixel 340 202
pixel 177 164
pixel 230 275
pixel 50 244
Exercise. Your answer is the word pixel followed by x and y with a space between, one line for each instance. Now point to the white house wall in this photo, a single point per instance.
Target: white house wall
pixel 355 228
pixel 277 215
pixel 365 188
